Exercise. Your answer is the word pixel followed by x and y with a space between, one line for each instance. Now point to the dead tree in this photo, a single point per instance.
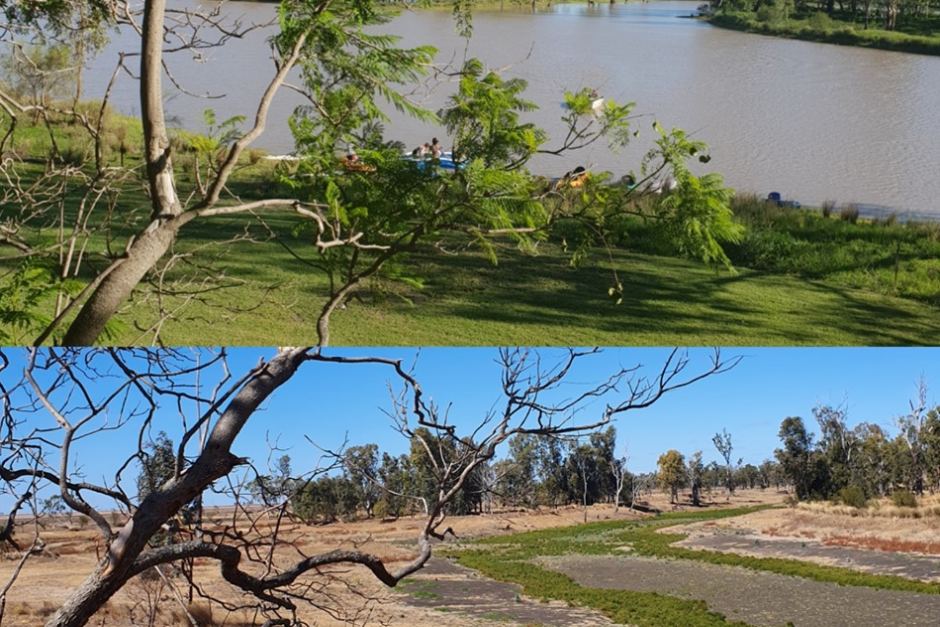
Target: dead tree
pixel 582 462
pixel 56 401
pixel 618 468
pixel 643 484
pixel 694 471
pixel 722 442
pixel 911 427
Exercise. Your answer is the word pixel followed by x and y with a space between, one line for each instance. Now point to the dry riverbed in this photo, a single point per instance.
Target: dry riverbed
pixel 445 593
pixel 874 543
pixel 757 598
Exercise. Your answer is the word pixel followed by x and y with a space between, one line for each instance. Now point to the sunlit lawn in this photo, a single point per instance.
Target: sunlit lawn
pixel 539 300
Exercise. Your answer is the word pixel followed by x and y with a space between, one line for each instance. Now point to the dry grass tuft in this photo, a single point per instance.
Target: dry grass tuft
pixel 927 507
pixel 202 614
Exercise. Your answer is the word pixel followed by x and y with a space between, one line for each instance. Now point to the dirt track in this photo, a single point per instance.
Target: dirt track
pixel 758 598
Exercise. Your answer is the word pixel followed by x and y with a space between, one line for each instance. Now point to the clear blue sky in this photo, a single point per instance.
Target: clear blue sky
pixel 330 403
pixel 750 401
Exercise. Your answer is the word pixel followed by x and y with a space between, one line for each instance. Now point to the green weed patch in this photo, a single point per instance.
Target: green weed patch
pixel 509 558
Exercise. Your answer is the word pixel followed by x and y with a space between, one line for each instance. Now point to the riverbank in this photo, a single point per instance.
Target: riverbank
pixel 803 277
pixel 822 29
pixel 833 244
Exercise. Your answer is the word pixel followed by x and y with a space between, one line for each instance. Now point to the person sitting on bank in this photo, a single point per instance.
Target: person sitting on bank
pixel 575 174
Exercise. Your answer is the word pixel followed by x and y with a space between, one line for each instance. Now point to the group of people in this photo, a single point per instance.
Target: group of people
pixel 433 150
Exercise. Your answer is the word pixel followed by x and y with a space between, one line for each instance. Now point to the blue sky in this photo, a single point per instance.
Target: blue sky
pixel 330 403
pixel 750 401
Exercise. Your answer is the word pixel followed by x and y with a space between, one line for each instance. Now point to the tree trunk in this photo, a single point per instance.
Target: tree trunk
pixel 153 243
pixel 86 600
pixel 214 462
pixel 111 293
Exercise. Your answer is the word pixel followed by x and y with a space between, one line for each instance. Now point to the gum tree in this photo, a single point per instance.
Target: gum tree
pixel 671 473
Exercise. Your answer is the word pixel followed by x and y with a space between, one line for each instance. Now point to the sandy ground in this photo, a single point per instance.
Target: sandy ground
pixel 71 554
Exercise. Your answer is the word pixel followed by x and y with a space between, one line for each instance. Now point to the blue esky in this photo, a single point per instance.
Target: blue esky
pixel 330 403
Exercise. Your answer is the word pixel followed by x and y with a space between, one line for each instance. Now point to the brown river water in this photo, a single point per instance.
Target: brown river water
pixel 813 121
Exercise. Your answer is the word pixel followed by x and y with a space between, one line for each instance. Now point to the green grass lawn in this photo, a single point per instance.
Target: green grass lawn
pixel 528 299
pixel 509 558
pixel 539 300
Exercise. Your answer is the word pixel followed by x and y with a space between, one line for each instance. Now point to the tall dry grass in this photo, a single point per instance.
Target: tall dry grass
pixel 928 506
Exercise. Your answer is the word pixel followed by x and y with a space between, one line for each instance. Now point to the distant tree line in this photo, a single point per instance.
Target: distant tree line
pixel 675 472
pixel 849 464
pixel 865 461
pixel 889 14
pixel 535 472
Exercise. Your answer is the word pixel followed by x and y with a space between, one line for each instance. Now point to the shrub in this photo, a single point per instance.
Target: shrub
pixel 853 496
pixel 904 498
pixel 254 155
pixel 74 155
pixel 849 213
pixel 47 609
pixel 828 207
pixel 819 21
pixel 767 15
pixel 574 237
pixel 380 509
pixel 754 210
pixel 204 616
pixel 766 249
pixel 92 110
